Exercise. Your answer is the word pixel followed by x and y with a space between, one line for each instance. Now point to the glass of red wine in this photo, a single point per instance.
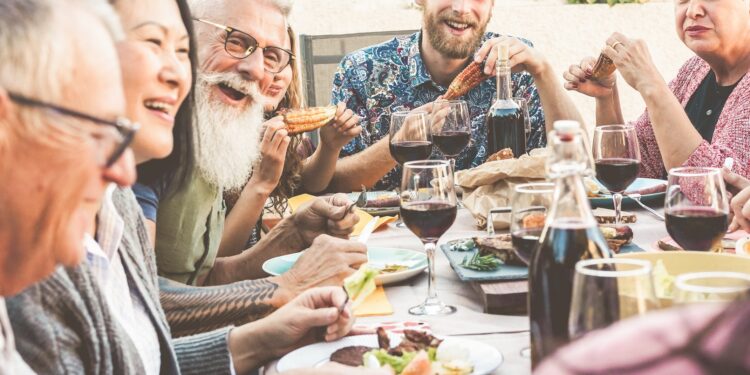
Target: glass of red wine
pixel 617 159
pixel 410 137
pixel 428 208
pixel 529 207
pixel 608 290
pixel 696 208
pixel 450 127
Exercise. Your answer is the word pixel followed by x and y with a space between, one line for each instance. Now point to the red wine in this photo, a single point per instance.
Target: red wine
pixel 563 243
pixel 505 128
pixel 404 151
pixel 525 241
pixel 697 228
pixel 617 174
pixel 451 142
pixel 428 220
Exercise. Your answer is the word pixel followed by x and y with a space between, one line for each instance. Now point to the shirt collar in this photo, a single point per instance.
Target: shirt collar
pixel 418 73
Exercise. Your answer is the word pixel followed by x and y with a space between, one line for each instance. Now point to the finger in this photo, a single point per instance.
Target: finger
pixel 340 108
pixel 488 46
pixel 611 53
pixel 352 122
pixel 345 116
pixel 339 200
pixel 735 180
pixel 733 226
pixel 320 317
pixel 577 73
pixel 283 145
pixel 355 259
pixel 353 132
pixel 491 61
pixel 587 65
pixel 572 86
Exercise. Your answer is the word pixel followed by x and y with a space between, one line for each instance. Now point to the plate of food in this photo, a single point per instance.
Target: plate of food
pixel 414 353
pixel 394 264
pixel 379 203
pixel 651 191
pixel 743 247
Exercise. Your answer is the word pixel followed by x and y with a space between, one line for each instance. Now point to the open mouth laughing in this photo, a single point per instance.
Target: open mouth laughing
pixel 232 94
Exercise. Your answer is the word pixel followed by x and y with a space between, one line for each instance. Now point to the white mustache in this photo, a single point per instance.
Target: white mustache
pixel 233 80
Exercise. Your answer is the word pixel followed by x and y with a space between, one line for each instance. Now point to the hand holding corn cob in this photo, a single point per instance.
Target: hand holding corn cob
pixel 469 78
pixel 308 119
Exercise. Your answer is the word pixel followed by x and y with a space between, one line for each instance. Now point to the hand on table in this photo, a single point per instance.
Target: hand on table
pixel 273 147
pixel 325 215
pixel 326 263
pixel 740 203
pixel 578 78
pixel 344 128
pixel 522 57
pixel 310 317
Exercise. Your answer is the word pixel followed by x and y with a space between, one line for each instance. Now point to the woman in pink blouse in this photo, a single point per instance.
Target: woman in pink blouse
pixel 701 117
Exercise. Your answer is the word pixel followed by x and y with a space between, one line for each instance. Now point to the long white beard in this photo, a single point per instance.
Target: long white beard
pixel 227 138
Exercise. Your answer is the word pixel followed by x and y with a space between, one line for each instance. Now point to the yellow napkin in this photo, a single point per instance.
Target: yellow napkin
pixel 374 305
pixel 364 217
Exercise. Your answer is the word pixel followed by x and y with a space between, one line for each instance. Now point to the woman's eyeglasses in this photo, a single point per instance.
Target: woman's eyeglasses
pixel 240 45
pixel 118 140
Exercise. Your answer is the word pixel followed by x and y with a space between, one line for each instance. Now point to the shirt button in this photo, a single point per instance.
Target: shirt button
pixel 709 112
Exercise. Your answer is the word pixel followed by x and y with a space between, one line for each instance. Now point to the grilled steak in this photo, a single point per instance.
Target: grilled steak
pixel 501 247
pixel 350 355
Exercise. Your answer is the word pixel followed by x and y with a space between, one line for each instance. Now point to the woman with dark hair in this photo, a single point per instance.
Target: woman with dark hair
pixel 705 339
pixel 284 170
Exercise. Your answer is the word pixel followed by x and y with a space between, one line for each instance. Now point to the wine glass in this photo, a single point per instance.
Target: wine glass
pixel 428 208
pixel 530 204
pixel 696 208
pixel 410 137
pixel 450 128
pixel 617 159
pixel 711 287
pixel 608 290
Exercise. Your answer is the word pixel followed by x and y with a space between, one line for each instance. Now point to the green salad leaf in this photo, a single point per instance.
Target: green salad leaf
pixel 360 284
pixel 398 363
pixel 663 281
pixel 463 245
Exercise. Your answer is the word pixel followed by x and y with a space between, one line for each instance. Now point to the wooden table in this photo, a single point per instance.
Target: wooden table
pixel 508 333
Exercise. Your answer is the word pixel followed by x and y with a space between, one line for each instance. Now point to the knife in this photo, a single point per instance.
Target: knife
pixel 368 229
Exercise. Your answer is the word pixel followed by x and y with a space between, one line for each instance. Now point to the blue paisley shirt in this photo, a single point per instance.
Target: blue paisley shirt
pixel 378 79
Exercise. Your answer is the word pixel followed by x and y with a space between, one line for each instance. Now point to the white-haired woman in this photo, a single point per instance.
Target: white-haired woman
pixel 701 117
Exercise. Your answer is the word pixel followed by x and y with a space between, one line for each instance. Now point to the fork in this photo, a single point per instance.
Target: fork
pixel 637 198
pixel 360 202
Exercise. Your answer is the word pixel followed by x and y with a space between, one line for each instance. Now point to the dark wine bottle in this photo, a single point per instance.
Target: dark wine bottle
pixel 571 234
pixel 505 119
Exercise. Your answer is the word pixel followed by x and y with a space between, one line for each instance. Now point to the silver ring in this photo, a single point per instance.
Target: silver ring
pixel 615 44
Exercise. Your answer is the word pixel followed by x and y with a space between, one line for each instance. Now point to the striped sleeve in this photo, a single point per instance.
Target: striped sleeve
pixel 205 353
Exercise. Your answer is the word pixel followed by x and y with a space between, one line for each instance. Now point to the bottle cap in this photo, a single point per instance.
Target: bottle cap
pixel 566 126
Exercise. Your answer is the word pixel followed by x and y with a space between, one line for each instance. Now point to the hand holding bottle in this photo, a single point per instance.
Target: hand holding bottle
pixel 522 57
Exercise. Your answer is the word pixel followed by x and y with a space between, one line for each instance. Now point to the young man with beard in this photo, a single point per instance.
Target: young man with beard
pixel 414 70
pixel 190 221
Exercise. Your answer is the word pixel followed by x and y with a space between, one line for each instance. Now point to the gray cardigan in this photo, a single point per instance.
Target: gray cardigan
pixel 63 324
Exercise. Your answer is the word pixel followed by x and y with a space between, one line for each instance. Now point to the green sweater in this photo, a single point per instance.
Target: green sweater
pixel 189 225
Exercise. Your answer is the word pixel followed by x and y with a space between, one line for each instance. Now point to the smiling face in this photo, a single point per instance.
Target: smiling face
pixel 712 27
pixel 52 172
pixel 275 92
pixel 262 21
pixel 455 27
pixel 156 71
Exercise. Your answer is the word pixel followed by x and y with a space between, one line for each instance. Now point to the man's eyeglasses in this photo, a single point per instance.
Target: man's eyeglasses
pixel 240 45
pixel 123 130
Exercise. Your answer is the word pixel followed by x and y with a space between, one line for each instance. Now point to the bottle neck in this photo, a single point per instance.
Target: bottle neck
pixel 502 76
pixel 570 201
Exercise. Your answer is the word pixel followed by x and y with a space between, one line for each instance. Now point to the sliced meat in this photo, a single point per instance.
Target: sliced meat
pixel 501 246
pixel 383 341
pixel 350 355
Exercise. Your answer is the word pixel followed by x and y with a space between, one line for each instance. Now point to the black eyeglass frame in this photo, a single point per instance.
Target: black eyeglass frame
pixel 249 51
pixel 124 127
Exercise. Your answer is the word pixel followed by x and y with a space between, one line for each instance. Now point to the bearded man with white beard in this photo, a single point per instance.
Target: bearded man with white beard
pixel 414 70
pixel 227 130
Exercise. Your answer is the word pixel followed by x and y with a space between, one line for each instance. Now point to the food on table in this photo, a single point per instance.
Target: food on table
pixel 384 201
pixel 479 262
pixel 463 245
pixel 617 236
pixel 350 355
pixel 592 188
pixel 534 220
pixel 503 154
pixel 667 246
pixel 603 68
pixel 391 268
pixel 418 353
pixel 469 78
pixel 360 284
pixel 654 189
pixel 308 119
pixel 501 247
pixel 607 216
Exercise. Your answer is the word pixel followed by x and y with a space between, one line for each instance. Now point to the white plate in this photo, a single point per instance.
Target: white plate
pixel 484 357
pixel 379 257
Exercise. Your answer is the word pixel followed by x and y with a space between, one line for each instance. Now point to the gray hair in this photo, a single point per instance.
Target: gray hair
pixel 207 8
pixel 36 54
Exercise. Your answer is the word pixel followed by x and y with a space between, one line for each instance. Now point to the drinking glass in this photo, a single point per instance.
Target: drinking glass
pixel 617 160
pixel 528 211
pixel 608 290
pixel 696 208
pixel 410 137
pixel 451 132
pixel 524 104
pixel 711 287
pixel 428 208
